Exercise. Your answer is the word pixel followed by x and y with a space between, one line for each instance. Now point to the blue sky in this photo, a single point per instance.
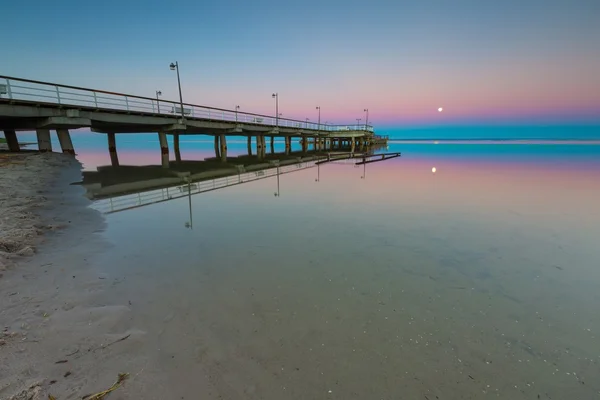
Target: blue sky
pixel 529 60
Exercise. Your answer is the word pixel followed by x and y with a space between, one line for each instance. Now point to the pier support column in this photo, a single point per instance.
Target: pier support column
pixel 288 145
pixel 249 145
pixel 304 144
pixel 259 147
pixel 164 149
pixel 223 141
pixel 112 149
pixel 43 138
pixel 217 152
pixel 272 145
pixel 11 140
pixel 352 145
pixel 64 138
pixel 176 147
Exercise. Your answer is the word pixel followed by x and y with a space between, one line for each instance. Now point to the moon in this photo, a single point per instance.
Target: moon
pixel 433 169
pixel 440 109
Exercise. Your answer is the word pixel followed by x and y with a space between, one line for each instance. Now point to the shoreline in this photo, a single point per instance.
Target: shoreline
pixel 48 291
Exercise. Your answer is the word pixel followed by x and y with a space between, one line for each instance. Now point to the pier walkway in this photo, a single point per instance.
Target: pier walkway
pixel 28 105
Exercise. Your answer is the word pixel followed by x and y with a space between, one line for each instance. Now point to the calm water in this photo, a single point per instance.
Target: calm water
pixel 478 280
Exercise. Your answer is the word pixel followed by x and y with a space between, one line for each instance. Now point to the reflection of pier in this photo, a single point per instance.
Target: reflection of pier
pixel 118 188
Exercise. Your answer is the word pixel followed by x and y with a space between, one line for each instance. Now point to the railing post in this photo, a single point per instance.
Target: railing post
pixel 95 100
pixel 126 103
pixel 8 89
pixel 57 94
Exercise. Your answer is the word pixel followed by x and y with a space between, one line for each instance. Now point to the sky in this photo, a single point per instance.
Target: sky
pixel 484 62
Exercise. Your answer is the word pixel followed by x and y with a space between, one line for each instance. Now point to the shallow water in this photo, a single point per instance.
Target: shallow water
pixel 478 280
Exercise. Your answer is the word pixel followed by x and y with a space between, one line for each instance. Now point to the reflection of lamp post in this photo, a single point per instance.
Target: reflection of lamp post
pixel 276 97
pixel 176 67
pixel 364 175
pixel 318 173
pixel 367 119
pixel 236 111
pixel 190 224
pixel 319 123
pixel 158 93
pixel 277 194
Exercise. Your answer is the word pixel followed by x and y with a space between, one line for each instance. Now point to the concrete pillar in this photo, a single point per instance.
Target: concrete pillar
pixel 264 145
pixel 249 145
pixel 11 140
pixel 112 149
pixel 164 149
pixel 43 138
pixel 272 145
pixel 304 144
pixel 223 141
pixel 353 145
pixel 64 138
pixel 288 145
pixel 176 147
pixel 259 147
pixel 217 152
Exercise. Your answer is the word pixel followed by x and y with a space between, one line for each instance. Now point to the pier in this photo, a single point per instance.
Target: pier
pixel 29 105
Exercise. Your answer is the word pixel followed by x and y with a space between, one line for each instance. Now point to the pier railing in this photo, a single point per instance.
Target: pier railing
pixel 17 89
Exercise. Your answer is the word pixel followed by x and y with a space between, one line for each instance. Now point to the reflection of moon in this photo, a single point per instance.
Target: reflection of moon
pixel 433 169
pixel 440 109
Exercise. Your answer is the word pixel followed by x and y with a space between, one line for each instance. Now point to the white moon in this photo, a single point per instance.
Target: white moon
pixel 433 169
pixel 440 109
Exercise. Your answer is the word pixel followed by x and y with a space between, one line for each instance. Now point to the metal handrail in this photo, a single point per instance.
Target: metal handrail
pixel 28 90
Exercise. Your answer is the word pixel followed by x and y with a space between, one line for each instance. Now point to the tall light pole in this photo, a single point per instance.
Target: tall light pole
pixel 319 123
pixel 236 111
pixel 176 67
pixel 367 120
pixel 276 97
pixel 158 93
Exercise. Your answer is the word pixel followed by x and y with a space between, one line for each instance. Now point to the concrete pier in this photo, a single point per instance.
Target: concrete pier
pixel 164 149
pixel 223 141
pixel 288 145
pixel 112 149
pixel 272 145
pixel 249 145
pixel 259 147
pixel 217 150
pixel 44 141
pixel 176 147
pixel 11 140
pixel 352 145
pixel 64 138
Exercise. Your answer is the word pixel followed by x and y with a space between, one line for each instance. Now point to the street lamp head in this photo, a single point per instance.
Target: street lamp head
pixel 158 93
pixel 366 109
pixel 237 107
pixel 274 95
pixel 172 66
pixel 318 108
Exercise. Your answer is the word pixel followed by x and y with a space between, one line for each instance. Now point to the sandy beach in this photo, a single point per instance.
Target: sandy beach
pixel 55 333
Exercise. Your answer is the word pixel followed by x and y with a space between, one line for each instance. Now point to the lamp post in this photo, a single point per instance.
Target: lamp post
pixel 236 112
pixel 176 67
pixel 307 119
pixel 367 119
pixel 358 123
pixel 319 123
pixel 276 97
pixel 158 93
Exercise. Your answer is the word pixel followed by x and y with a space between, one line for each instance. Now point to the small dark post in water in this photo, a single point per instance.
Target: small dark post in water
pixel 217 153
pixel 249 145
pixel 112 149
pixel 164 149
pixel 176 147
pixel 43 138
pixel 223 141
pixel 11 140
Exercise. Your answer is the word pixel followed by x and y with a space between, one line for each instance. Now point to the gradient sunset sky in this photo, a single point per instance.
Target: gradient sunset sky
pixel 483 61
